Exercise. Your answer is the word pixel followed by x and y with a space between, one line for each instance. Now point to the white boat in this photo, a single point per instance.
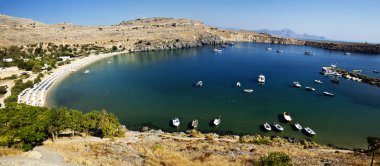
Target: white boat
pixel 238 84
pixel 375 71
pixel 87 71
pixel 310 131
pixel 310 88
pixel 269 49
pixel 278 126
pixel 261 79
pixel 298 126
pixel 199 84
pixel 347 53
pixel 217 50
pixel 287 116
pixel 328 94
pixel 216 122
pixel 309 53
pixel 297 84
pixel 175 122
pixel 194 123
pixel 231 44
pixel 248 90
pixel 334 65
pixel 280 51
pixel 109 62
pixel 267 126
pixel 327 71
pixel 318 81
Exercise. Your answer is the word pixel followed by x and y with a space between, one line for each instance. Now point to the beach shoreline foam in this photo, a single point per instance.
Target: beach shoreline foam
pixel 59 74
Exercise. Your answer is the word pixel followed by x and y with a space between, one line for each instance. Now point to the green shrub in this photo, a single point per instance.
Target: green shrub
pixel 275 159
pixel 3 90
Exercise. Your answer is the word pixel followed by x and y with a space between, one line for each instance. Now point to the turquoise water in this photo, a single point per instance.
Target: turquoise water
pixel 150 88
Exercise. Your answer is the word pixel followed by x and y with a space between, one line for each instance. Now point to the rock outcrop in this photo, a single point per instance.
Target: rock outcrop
pixel 147 34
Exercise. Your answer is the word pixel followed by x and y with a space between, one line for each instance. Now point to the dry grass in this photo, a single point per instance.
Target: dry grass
pixel 10 152
pixel 153 149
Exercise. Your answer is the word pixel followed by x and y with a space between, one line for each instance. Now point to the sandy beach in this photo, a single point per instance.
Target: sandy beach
pixel 37 95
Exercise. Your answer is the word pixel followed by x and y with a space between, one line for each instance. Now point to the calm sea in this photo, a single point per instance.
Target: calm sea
pixel 150 88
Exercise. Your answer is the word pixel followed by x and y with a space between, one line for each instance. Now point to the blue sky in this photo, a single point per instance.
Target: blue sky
pixel 348 20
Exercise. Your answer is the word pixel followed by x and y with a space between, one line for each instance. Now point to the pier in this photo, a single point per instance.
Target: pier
pixel 355 76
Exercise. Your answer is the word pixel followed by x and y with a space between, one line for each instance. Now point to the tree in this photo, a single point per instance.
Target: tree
pixel 373 145
pixel 3 89
pixel 114 48
pixel 275 159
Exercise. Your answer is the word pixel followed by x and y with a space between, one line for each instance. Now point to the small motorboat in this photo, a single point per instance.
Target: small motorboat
pixel 269 49
pixel 328 94
pixel 335 80
pixel 298 126
pixel 109 62
pixel 334 65
pixel 87 71
pixel 216 121
pixel 375 71
pixel 310 131
pixel 280 51
pixel 356 71
pixel 199 84
pixel 261 79
pixel 238 84
pixel 297 84
pixel 318 81
pixel 216 50
pixel 248 90
pixel 175 122
pixel 231 44
pixel 347 53
pixel 309 53
pixel 267 126
pixel 310 88
pixel 223 46
pixel 278 126
pixel 287 116
pixel 194 123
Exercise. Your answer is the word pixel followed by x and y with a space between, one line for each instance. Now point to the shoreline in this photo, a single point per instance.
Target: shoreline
pixel 74 66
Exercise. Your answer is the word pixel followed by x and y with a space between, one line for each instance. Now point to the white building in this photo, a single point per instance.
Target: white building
pixel 7 60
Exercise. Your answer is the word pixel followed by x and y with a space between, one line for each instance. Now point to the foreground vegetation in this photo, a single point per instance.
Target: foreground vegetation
pixel 23 126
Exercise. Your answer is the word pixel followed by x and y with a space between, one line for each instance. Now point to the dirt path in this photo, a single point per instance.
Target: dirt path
pixel 39 156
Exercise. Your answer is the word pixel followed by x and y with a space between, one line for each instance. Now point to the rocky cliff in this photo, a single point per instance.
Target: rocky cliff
pixel 146 34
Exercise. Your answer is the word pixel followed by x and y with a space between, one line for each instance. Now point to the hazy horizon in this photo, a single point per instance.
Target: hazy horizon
pixel 339 20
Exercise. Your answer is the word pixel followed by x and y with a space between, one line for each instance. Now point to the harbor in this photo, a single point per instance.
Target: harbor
pixel 138 101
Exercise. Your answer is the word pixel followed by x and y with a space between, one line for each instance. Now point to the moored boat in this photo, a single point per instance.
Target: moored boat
pixel 280 51
pixel 375 71
pixel 328 94
pixel 238 84
pixel 318 81
pixel 261 79
pixel 297 84
pixel 347 53
pixel 310 88
pixel 335 80
pixel 298 126
pixel 216 122
pixel 199 84
pixel 175 122
pixel 267 126
pixel 286 116
pixel 87 71
pixel 309 53
pixel 194 123
pixel 217 50
pixel 269 49
pixel 278 126
pixel 310 131
pixel 248 90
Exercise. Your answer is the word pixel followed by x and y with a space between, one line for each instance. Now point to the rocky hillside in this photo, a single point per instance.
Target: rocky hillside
pixel 145 34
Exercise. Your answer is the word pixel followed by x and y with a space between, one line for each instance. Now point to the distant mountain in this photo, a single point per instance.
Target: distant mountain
pixel 290 34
